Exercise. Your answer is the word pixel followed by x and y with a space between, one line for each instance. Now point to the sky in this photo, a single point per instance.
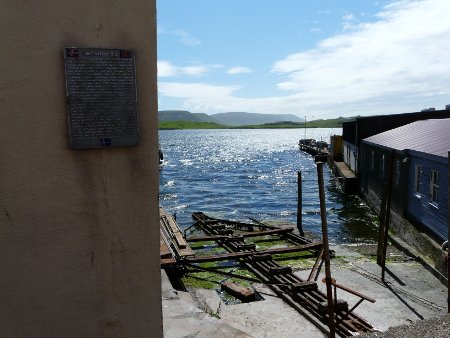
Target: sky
pixel 319 59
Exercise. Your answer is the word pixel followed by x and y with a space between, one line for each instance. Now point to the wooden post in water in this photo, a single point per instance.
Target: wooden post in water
pixel 326 249
pixel 299 203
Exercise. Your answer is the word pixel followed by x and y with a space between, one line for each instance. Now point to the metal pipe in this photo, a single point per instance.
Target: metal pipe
pixel 326 251
pixel 299 203
pixel 388 213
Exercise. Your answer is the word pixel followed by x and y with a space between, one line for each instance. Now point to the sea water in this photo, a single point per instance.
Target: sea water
pixel 252 173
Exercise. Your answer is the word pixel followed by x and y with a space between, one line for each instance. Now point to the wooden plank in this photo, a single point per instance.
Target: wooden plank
pixel 246 246
pixel 238 291
pixel 205 238
pixel 262 257
pixel 304 286
pixel 180 240
pixel 244 235
pixel 172 234
pixel 221 257
pixel 236 255
pixel 344 170
pixel 163 248
pixel 278 270
pixel 167 262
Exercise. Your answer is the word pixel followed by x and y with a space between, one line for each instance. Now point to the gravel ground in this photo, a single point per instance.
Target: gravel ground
pixel 437 327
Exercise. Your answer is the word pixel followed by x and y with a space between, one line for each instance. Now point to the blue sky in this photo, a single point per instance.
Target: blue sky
pixel 321 59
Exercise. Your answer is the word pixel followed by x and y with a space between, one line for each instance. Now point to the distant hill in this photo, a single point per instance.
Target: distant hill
pixel 241 118
pixel 183 115
pixel 183 119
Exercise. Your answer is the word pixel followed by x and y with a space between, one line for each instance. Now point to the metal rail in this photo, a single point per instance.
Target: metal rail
pixel 300 294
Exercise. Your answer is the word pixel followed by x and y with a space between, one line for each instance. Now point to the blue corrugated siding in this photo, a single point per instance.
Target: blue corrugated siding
pixel 434 218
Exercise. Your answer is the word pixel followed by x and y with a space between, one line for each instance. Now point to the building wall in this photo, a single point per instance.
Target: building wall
pixel 79 229
pixel 350 156
pixel 421 209
pixel 375 174
pixel 336 149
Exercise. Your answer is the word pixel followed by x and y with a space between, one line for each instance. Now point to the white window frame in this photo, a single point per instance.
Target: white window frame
pixel 434 186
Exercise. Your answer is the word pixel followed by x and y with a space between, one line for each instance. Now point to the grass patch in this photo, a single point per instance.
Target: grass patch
pixel 296 260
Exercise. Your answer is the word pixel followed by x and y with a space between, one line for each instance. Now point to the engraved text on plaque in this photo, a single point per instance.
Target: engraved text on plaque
pixel 101 93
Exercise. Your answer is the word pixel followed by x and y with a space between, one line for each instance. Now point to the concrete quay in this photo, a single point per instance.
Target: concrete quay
pixel 411 295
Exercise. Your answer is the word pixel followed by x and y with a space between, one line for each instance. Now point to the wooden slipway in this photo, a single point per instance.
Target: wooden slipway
pixel 302 295
pixel 172 244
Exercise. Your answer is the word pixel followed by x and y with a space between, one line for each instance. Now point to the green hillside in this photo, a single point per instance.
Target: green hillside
pixel 182 115
pixel 193 123
pixel 189 125
pixel 242 118
pixel 329 123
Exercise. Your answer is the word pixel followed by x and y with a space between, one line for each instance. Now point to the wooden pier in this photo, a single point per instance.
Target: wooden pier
pixel 315 148
pixel 345 177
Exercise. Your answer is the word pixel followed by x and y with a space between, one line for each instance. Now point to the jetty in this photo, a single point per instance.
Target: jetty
pixel 318 149
pixel 331 153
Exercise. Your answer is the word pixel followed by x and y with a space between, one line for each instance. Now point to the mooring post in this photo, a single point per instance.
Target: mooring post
pixel 299 203
pixel 326 249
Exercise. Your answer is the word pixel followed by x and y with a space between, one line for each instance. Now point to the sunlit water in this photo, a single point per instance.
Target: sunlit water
pixel 237 173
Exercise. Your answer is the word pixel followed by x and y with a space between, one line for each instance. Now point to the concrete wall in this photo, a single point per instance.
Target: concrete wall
pixel 79 253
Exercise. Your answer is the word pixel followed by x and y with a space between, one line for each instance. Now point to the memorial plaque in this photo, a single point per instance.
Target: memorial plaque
pixel 101 95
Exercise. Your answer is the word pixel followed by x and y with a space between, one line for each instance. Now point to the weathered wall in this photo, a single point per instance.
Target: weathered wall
pixel 79 254
pixel 428 250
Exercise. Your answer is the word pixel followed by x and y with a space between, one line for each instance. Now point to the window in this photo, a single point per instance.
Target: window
pixel 434 186
pixel 372 160
pixel 397 173
pixel 382 160
pixel 417 178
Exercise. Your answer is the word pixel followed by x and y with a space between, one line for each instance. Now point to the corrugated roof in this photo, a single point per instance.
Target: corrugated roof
pixel 427 136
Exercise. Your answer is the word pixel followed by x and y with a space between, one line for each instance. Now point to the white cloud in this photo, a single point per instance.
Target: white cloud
pixel 167 69
pixel 196 90
pixel 399 63
pixel 348 21
pixel 187 39
pixel 239 70
pixel 403 57
pixel 348 17
pixel 207 98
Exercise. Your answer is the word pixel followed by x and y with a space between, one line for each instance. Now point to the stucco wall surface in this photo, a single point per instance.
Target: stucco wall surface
pixel 78 228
